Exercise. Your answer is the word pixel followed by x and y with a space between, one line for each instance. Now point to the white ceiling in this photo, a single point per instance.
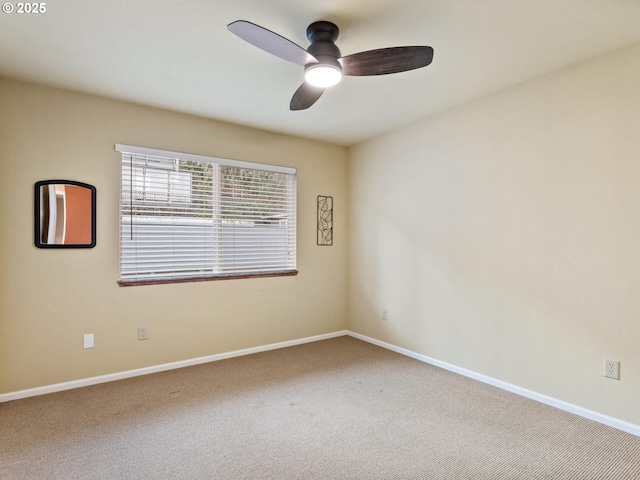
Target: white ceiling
pixel 179 55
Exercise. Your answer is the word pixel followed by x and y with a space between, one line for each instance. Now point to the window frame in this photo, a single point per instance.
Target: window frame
pixel 222 162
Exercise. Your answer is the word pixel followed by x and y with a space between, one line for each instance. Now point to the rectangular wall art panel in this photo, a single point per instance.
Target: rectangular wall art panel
pixel 325 220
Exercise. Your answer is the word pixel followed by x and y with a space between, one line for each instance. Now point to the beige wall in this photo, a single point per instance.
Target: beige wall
pixel 50 298
pixel 503 236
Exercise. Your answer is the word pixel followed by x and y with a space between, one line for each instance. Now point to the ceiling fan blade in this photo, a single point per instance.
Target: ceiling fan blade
pixel 305 96
pixel 386 60
pixel 271 42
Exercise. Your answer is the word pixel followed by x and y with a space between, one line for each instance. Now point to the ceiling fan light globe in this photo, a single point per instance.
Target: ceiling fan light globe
pixel 322 76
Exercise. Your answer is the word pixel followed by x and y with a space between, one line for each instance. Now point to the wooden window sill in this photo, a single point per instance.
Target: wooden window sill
pixel 205 278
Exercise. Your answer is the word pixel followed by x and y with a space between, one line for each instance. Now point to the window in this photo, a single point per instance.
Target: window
pixel 188 217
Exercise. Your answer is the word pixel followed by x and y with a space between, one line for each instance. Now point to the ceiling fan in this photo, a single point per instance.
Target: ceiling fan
pixel 323 63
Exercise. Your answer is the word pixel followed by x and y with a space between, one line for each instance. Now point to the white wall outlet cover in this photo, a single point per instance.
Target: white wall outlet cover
pixel 143 333
pixel 612 369
pixel 88 340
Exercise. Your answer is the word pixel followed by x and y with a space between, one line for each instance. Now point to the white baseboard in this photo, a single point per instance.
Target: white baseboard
pixel 568 407
pixel 58 387
pixel 583 412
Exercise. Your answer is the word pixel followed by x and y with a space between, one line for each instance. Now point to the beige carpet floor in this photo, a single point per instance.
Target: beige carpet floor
pixel 335 409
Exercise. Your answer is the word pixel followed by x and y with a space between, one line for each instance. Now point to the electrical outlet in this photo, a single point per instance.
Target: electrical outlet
pixel 385 315
pixel 612 369
pixel 143 334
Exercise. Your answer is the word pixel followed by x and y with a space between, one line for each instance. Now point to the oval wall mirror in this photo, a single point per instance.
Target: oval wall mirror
pixel 65 214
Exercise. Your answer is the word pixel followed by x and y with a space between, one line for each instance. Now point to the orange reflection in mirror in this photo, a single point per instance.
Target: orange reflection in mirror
pixel 78 215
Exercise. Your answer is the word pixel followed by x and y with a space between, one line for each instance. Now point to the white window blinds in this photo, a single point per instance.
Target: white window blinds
pixel 186 216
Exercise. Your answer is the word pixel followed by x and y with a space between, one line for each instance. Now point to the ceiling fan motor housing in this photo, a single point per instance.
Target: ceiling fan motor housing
pixel 322 36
